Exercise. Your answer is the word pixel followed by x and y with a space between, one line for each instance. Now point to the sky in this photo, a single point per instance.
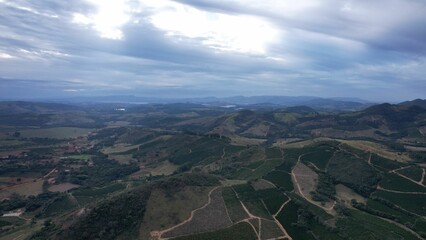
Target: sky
pixel 370 49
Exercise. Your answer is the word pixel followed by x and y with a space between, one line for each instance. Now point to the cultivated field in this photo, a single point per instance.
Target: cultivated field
pixel 209 218
pixel 165 210
pixel 58 132
pixel 62 187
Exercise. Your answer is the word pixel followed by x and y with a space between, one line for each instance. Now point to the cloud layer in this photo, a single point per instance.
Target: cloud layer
pixel 370 49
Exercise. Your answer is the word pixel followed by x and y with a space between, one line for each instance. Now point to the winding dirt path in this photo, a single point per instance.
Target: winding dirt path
pixel 286 235
pixel 299 190
pixel 395 191
pixel 423 176
pixel 258 234
pixel 158 234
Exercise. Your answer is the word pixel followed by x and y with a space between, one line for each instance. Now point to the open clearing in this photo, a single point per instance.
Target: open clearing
pixel 377 149
pixel 118 148
pixel 26 189
pixel 261 184
pixel 346 194
pixel 165 168
pixel 300 144
pixel 307 179
pixel 62 187
pixel 243 141
pixel 57 133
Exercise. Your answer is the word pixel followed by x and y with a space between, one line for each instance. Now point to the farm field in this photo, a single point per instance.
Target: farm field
pixel 238 231
pixel 392 181
pixel 57 133
pixel 378 149
pixel 281 180
pixel 167 210
pixel 200 171
pixel 211 217
pixel 235 210
pixel 62 187
pixel 414 204
pixel 412 172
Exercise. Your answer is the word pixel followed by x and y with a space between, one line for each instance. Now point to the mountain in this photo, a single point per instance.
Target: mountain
pixel 417 102
pixel 321 104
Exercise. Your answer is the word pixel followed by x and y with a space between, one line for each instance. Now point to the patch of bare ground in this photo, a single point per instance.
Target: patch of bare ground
pixel 305 181
pixel 337 133
pixel 27 189
pixel 243 141
pixel 212 216
pixel 300 144
pixel 260 184
pixel 163 168
pixel 284 141
pixel 232 182
pixel 378 149
pixel 260 130
pixel 62 187
pixel 346 194
pixel 165 209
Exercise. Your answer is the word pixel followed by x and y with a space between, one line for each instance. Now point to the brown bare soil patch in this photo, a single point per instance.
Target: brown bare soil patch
pixel 346 194
pixel 26 189
pixel 306 178
pixel 378 149
pixel 260 130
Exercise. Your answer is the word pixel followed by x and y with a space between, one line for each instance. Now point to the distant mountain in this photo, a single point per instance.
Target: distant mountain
pixel 417 102
pixel 319 104
pixel 19 107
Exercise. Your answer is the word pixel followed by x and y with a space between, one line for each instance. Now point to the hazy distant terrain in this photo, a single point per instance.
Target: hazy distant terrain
pixel 241 168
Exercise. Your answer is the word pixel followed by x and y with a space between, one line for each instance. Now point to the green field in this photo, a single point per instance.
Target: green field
pixel 87 195
pixel 392 181
pixel 319 157
pixel 272 198
pixel 10 221
pixel 401 215
pixel 273 153
pixel 384 163
pixel 57 132
pixel 412 172
pixel 233 205
pixel 80 156
pixel 249 197
pixel 238 231
pixel 353 172
pixel 60 205
pixel 365 226
pixel 281 179
pixel 413 203
pixel 258 172
pixel 288 219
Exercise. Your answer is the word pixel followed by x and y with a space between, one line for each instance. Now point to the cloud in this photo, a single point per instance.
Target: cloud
pixel 305 47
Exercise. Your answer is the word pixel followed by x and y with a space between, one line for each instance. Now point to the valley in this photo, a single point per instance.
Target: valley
pixel 196 171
